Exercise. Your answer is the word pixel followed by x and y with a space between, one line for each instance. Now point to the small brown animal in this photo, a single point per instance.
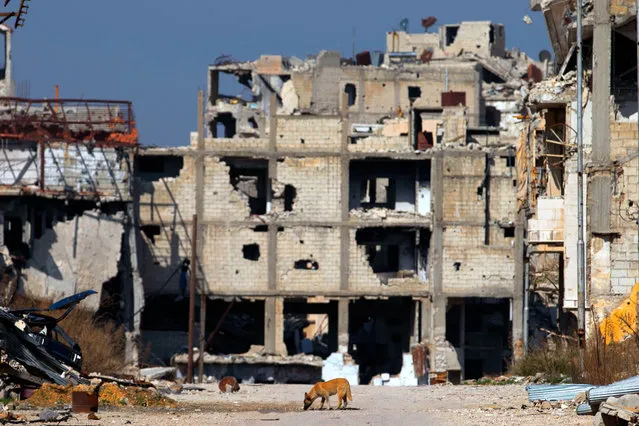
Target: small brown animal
pixel 228 384
pixel 323 390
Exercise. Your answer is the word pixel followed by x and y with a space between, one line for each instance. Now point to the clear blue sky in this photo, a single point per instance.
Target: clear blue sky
pixel 155 52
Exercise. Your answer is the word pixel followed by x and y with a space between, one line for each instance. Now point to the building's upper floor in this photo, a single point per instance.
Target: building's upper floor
pixel 415 76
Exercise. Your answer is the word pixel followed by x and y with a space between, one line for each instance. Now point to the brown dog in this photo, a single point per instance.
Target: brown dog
pixel 228 384
pixel 323 390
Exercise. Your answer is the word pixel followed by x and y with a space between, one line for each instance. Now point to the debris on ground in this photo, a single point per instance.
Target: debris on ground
pixel 110 394
pixel 36 350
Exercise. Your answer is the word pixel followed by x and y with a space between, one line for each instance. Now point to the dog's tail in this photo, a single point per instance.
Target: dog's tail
pixel 348 392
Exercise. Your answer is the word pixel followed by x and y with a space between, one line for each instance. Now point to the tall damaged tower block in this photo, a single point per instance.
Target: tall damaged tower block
pixel 357 215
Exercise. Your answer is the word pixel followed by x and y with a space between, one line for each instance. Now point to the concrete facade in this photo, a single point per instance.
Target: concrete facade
pixel 360 185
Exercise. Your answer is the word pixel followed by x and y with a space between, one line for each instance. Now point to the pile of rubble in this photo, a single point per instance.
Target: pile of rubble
pixel 109 394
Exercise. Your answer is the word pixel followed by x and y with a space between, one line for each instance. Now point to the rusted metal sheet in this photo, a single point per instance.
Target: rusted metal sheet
pixel 426 56
pixel 453 99
pixel 84 402
pixel 96 122
pixel 534 74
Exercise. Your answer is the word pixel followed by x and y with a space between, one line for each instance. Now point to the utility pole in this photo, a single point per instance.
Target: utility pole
pixel 581 276
pixel 189 373
pixel 199 182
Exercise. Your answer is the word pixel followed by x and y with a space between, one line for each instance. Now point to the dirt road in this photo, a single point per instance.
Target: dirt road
pixel 282 405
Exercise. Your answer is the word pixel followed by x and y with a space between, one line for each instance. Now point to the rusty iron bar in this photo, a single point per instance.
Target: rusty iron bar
pixel 189 373
pixel 219 324
pixel 200 360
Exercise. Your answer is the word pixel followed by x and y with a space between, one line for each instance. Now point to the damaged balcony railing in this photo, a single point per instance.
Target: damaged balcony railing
pixel 102 122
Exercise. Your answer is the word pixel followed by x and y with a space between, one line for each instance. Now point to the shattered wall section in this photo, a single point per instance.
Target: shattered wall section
pixel 225 262
pixel 308 259
pixel 361 276
pixel 382 144
pixel 624 256
pixel 455 122
pixel 301 133
pixel 316 182
pixel 169 199
pixel 161 254
pixel 76 255
pixel 221 200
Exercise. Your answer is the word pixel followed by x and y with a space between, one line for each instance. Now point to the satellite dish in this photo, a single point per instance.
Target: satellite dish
pixel 428 22
pixel 544 56
pixel 403 24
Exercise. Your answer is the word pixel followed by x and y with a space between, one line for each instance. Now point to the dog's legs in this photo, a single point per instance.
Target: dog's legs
pixel 328 402
pixel 322 405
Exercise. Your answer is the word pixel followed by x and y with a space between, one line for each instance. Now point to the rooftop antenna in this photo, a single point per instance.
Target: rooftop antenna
pixel 353 43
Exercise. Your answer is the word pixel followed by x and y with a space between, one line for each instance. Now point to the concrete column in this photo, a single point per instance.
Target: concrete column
pixel 134 297
pixel 274 326
pixel 600 204
pixel 438 307
pixel 425 312
pixel 345 240
pixel 272 174
pixel 342 325
pixel 518 286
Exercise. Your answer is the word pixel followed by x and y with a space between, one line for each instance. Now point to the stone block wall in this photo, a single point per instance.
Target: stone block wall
pixel 301 133
pixel 310 244
pixel 317 186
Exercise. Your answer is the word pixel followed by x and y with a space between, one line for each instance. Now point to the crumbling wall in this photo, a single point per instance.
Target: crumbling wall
pixel 308 258
pixel 317 187
pixel 221 200
pixel 303 83
pixel 382 144
pixel 482 38
pixel 455 124
pixel 478 253
pixel 75 255
pixel 161 254
pixel 624 209
pixel 169 200
pixel 300 133
pixel 503 197
pixel 225 263
pixel 235 144
pixel 361 276
pixel 386 91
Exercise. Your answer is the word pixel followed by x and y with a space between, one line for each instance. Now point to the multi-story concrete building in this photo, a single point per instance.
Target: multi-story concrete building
pixel 376 193
pixel 548 166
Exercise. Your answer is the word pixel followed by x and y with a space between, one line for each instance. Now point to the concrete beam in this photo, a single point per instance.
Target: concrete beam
pixel 518 285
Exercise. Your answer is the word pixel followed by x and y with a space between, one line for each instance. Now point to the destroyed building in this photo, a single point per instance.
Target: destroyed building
pixel 369 201
pixel 65 202
pixel 547 168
